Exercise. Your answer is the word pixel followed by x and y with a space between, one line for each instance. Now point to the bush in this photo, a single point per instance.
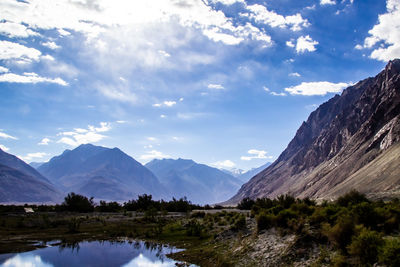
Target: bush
pixel 109 207
pixel 390 252
pixel 351 198
pixel 265 221
pixel 340 234
pixel 365 245
pixel 77 203
pixel 239 223
pixel 284 216
pixel 246 204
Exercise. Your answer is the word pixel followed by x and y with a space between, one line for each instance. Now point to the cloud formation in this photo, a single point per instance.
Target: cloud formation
pixel 81 136
pixel 7 136
pixel 316 88
pixel 256 154
pixel 384 37
pixel 224 164
pixel 154 154
pixel 30 77
pixel 44 142
pixel 305 43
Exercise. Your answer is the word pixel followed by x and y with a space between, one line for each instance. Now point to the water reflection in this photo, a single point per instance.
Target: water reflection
pixel 98 253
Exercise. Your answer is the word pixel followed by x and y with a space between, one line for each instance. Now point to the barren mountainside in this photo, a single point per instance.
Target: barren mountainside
pixel 349 142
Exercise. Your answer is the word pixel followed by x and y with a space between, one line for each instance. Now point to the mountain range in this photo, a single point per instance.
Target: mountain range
pixel 19 182
pixel 198 182
pixel 102 173
pixel 349 142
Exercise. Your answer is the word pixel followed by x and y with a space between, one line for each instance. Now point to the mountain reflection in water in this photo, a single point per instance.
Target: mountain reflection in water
pixel 97 253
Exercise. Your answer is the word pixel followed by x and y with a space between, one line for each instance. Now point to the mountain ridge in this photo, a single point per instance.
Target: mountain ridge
pixel 341 137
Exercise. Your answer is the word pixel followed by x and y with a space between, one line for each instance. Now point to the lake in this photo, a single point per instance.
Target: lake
pixel 95 253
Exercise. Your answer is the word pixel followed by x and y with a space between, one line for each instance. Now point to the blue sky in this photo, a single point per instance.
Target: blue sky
pixel 223 82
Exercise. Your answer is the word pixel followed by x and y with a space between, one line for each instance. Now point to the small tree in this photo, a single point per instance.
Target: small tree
pixel 78 203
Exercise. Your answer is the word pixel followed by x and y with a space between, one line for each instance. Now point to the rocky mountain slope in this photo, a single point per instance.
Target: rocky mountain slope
pixel 349 142
pixel 102 173
pixel 19 182
pixel 200 183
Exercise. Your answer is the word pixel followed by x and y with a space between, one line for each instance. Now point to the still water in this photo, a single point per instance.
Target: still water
pixel 97 253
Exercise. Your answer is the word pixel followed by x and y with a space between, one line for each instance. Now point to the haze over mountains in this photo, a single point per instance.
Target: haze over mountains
pixel 198 182
pixel 102 173
pixel 19 182
pixel 244 176
pixel 349 142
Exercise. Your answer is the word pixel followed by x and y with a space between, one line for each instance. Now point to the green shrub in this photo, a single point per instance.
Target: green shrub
pixel 265 221
pixel 239 223
pixel 284 216
pixel 390 252
pixel 246 204
pixel 77 203
pixel 341 233
pixel 351 198
pixel 365 246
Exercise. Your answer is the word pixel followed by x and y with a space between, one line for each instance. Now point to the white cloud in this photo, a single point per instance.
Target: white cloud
pixel 266 89
pixel 154 154
pixel 262 15
pixel 224 164
pixel 256 154
pixel 163 53
pixel 84 136
pixel 4 148
pixel 215 86
pixel 163 116
pixel 30 78
pixel 295 74
pixel 92 20
pixel 317 88
pixel 358 47
pixel 31 156
pixel 7 136
pixel 290 43
pixel 51 45
pixel 12 30
pixel 152 139
pixel 121 122
pixel 385 36
pixel 305 43
pixel 18 52
pixel 45 141
pixel 181 99
pixel 3 69
pixel 278 94
pixel 327 2
pixel 165 104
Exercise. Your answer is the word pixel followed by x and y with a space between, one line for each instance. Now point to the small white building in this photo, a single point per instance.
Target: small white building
pixel 28 210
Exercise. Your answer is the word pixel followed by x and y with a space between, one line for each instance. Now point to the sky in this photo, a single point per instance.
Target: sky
pixel 223 82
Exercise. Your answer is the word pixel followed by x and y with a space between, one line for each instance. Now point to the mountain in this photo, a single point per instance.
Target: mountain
pixel 35 164
pixel 19 182
pixel 233 171
pixel 349 142
pixel 200 183
pixel 245 176
pixel 102 173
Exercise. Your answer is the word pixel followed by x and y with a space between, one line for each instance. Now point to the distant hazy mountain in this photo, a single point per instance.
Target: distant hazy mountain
pixel 19 182
pixel 234 172
pixel 36 164
pixel 198 182
pixel 102 173
pixel 246 176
